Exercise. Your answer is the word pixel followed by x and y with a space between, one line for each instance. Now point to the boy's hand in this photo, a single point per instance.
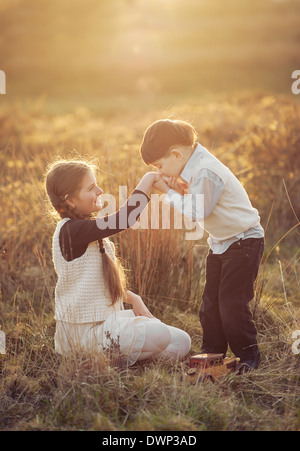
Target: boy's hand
pixel 176 184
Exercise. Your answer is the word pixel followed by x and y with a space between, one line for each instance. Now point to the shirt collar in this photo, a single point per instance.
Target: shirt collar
pixel 188 169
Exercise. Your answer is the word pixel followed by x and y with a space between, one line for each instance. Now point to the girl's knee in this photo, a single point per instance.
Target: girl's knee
pixel 158 337
pixel 180 336
pixel 185 343
pixel 179 346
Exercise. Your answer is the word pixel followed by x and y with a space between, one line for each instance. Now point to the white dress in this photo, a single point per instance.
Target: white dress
pixel 121 330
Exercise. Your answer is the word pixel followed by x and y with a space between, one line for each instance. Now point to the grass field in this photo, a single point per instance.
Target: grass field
pixel 257 136
pixel 85 79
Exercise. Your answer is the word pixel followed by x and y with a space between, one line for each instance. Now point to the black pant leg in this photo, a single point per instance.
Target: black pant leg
pixel 240 264
pixel 214 339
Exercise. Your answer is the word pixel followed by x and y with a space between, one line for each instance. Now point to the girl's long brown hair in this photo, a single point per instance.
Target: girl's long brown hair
pixel 64 179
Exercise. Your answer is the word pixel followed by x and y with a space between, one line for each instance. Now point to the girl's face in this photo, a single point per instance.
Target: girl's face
pixel 87 200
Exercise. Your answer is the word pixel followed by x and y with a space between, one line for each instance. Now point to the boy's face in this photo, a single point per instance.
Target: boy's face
pixel 171 165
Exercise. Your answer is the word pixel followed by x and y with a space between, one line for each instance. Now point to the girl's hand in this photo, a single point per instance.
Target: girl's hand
pixel 161 185
pixel 157 176
pixel 138 306
pixel 148 180
pixel 176 184
pixel 139 309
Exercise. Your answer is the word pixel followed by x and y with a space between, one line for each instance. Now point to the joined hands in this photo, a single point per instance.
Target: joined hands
pixel 163 184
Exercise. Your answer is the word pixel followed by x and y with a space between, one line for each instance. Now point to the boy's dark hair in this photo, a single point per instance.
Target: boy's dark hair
pixel 164 134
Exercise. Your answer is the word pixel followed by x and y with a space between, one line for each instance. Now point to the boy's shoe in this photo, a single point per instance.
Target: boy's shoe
pixel 248 365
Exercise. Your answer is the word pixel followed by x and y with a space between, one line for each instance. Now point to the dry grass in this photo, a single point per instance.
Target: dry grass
pixel 41 391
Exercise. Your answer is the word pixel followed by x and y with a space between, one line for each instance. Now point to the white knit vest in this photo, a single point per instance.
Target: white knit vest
pixel 81 294
pixel 233 213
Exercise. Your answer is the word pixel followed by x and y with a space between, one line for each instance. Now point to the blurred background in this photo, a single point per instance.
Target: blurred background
pixel 84 78
pixel 105 54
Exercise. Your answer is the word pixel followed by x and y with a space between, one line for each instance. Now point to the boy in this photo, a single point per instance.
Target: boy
pixel 236 238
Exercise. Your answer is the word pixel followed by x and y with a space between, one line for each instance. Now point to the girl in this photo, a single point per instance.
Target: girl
pixel 91 286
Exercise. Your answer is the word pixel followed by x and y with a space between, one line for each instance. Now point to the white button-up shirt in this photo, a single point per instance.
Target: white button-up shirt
pixel 210 185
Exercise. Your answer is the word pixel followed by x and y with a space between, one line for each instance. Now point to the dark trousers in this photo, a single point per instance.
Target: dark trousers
pixel 225 315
